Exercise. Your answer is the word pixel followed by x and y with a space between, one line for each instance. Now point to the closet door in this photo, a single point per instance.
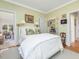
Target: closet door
pixel 42 24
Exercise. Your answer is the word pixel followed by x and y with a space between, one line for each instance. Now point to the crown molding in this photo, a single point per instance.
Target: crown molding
pixel 8 10
pixel 61 6
pixel 25 6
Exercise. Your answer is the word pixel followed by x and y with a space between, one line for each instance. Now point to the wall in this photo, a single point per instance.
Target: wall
pixel 57 14
pixel 20 11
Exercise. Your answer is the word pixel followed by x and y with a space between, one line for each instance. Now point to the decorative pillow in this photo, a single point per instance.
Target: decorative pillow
pixel 29 31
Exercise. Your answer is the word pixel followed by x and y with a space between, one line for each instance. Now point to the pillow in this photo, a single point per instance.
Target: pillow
pixel 30 31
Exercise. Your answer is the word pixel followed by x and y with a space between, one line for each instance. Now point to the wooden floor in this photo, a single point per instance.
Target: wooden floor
pixel 74 46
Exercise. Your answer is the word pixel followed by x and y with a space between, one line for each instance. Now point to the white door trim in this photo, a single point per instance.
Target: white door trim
pixel 69 41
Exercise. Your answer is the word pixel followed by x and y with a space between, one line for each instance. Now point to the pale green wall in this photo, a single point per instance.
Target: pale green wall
pixel 20 11
pixel 57 14
pixel 63 10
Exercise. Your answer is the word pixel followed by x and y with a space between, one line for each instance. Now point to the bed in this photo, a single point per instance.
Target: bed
pixel 40 46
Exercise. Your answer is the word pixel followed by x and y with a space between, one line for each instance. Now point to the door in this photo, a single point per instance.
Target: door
pixel 42 24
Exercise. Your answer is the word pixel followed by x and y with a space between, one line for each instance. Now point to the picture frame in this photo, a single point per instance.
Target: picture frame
pixel 51 21
pixel 29 18
pixel 64 21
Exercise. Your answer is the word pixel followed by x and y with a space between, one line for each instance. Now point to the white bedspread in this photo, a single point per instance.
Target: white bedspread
pixel 32 41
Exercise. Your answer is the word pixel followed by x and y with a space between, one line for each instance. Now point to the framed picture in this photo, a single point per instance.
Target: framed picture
pixel 29 18
pixel 51 21
pixel 64 21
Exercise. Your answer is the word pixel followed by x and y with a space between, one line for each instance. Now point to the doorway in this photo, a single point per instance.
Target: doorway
pixel 74 26
pixel 8 26
pixel 73 30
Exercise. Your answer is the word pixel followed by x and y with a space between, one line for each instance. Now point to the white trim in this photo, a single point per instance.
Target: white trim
pixel 68 41
pixel 68 34
pixel 22 5
pixel 7 10
pixel 61 6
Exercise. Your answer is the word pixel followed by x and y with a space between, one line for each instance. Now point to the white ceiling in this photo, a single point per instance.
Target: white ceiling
pixel 41 5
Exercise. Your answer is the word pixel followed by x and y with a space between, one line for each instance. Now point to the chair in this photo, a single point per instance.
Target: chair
pixel 63 38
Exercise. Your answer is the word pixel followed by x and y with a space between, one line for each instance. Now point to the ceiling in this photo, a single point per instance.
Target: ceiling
pixel 41 5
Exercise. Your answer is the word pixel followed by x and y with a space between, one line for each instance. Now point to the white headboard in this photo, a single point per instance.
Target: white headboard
pixel 27 29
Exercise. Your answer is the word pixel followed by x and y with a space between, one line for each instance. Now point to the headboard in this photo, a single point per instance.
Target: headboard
pixel 26 30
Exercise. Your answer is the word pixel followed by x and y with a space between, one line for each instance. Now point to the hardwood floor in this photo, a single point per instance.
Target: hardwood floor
pixel 74 46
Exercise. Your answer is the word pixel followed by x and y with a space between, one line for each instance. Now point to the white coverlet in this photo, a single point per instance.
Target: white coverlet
pixel 40 46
